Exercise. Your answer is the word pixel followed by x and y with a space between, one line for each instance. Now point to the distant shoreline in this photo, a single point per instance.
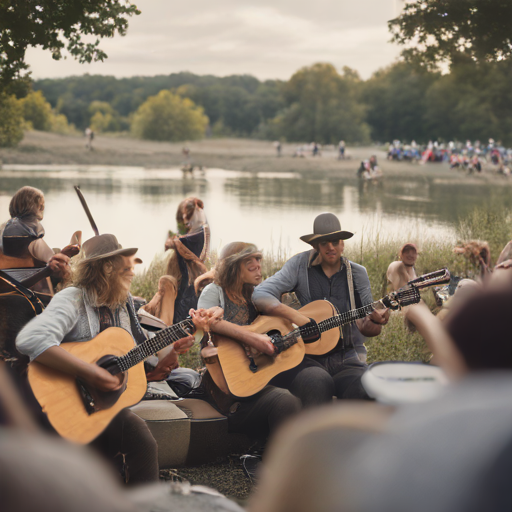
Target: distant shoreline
pixel 43 148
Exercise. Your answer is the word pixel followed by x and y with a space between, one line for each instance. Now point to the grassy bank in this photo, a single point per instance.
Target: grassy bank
pixel 375 253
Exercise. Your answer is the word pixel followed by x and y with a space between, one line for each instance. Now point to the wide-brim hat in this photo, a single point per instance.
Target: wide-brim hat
pixel 104 246
pixel 326 227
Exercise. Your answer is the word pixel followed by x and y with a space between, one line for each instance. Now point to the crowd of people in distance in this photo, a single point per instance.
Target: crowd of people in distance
pixel 328 443
pixel 468 156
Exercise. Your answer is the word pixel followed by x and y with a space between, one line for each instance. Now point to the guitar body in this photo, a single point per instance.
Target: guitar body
pixel 235 364
pixel 60 397
pixel 320 310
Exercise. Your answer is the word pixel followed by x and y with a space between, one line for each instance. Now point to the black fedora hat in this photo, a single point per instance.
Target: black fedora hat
pixel 326 227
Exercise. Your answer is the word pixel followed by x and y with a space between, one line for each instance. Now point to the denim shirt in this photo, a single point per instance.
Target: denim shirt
pixel 70 317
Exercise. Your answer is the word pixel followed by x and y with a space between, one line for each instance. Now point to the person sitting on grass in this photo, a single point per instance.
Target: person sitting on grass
pixel 400 272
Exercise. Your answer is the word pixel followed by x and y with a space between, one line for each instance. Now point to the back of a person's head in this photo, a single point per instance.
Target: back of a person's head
pixel 26 202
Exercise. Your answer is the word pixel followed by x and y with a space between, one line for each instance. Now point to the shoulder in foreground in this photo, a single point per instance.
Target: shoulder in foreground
pixel 211 288
pixel 210 297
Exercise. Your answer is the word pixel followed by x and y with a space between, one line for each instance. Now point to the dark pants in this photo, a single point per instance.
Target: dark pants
pixel 318 378
pixel 262 413
pixel 128 442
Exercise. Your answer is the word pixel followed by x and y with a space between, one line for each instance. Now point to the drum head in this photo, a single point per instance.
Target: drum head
pixel 398 383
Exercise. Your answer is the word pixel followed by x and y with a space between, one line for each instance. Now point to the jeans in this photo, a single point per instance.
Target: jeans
pixel 262 413
pixel 128 442
pixel 318 378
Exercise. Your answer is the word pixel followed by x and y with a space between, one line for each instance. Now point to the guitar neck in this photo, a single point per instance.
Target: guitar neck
pixel 347 317
pixel 151 346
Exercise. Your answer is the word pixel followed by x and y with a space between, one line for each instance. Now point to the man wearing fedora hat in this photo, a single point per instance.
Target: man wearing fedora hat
pixel 99 297
pixel 324 273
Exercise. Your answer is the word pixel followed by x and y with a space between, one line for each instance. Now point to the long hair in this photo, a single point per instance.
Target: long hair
pixel 27 201
pixel 228 273
pixel 185 211
pixel 99 280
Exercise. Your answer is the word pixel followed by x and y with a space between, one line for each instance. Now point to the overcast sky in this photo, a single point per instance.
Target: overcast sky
pixel 267 39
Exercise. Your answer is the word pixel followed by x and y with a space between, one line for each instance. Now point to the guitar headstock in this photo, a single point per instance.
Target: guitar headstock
pixel 433 278
pixel 401 298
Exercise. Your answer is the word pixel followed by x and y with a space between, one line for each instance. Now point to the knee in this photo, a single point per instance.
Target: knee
pixel 314 386
pixel 284 402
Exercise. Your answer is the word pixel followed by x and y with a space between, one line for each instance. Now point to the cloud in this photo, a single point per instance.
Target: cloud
pixel 266 39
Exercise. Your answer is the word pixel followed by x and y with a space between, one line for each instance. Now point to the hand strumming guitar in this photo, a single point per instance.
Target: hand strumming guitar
pixel 170 361
pixel 211 320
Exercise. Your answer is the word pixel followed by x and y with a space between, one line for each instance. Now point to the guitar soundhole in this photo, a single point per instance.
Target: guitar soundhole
pixel 95 400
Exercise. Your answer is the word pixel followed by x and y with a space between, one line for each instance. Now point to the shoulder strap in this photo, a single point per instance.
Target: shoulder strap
pixel 350 280
pixel 32 298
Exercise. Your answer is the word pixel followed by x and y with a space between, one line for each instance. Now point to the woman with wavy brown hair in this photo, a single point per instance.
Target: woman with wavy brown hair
pixel 237 272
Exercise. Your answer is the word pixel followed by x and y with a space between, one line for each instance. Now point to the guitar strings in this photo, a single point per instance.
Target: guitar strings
pixel 162 339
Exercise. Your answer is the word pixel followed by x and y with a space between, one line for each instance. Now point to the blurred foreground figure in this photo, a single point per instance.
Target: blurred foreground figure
pixel 451 454
pixel 46 474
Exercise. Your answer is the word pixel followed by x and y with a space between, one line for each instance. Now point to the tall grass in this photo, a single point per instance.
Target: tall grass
pixel 375 253
pixel 492 224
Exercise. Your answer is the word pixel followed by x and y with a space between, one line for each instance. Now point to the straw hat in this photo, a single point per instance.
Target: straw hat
pixel 326 227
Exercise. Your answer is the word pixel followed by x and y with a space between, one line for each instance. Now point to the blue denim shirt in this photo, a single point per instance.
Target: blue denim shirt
pixel 70 317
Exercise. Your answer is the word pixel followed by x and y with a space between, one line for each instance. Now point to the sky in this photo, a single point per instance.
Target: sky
pixel 266 39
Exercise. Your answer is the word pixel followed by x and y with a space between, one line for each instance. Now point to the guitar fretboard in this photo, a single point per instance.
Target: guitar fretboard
pixel 346 318
pixel 151 346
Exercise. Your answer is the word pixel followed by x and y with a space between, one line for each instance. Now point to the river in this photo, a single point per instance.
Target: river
pixel 271 210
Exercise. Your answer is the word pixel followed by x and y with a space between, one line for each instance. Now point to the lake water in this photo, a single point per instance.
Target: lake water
pixel 271 210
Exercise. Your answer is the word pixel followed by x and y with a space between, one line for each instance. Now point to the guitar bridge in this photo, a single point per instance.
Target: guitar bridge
pixel 87 398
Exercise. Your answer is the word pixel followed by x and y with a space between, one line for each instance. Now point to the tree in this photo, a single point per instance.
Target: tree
pixel 103 117
pixel 439 30
pixel 37 111
pixel 11 121
pixel 54 26
pixel 396 102
pixel 322 106
pixel 168 117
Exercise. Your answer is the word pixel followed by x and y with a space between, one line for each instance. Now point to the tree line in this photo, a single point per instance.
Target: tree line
pixel 319 103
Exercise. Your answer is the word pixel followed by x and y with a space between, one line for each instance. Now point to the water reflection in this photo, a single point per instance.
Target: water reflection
pixel 268 209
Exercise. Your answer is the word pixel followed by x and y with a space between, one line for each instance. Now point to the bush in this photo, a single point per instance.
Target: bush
pixel 37 111
pixel 168 117
pixel 11 121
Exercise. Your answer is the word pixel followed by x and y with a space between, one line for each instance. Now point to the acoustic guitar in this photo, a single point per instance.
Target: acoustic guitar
pixel 245 373
pixel 77 411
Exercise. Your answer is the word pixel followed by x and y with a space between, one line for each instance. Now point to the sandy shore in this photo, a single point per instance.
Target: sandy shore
pixel 231 154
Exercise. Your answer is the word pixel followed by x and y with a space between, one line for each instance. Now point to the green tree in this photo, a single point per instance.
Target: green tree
pixel 441 30
pixel 11 121
pixel 37 111
pixel 103 117
pixel 396 103
pixel 169 117
pixel 55 26
pixel 322 106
